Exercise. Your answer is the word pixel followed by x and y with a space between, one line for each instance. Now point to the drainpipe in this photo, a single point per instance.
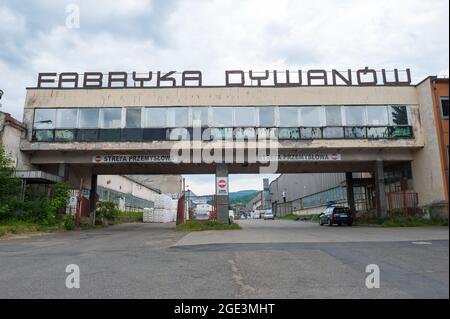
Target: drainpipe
pixel 440 131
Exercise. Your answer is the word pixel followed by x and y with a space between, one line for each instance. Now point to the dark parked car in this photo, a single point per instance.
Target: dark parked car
pixel 336 215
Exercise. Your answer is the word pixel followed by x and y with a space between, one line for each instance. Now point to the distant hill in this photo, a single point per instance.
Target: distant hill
pixel 241 197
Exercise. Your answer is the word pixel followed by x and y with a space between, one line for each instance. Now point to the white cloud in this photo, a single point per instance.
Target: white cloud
pixel 221 34
pixel 217 35
pixel 12 23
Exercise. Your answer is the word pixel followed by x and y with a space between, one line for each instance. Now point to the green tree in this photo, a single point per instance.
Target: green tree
pixel 399 115
pixel 61 192
pixel 9 186
pixel 106 211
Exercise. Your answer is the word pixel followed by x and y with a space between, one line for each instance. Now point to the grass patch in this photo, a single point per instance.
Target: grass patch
pixel 402 222
pixel 206 225
pixel 16 227
pixel 290 217
pixel 90 226
pixel 130 214
pixel 311 217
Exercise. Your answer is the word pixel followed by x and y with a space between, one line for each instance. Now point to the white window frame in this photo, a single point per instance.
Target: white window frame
pixel 344 120
pixel 386 109
pixel 408 114
pixel 275 115
pixel 236 108
pixel 146 110
pixel 76 118
pixel 124 115
pixel 101 118
pixel 212 119
pixel 170 116
pixel 79 118
pixel 297 109
pixel 53 122
pixel 324 115
pixel 321 115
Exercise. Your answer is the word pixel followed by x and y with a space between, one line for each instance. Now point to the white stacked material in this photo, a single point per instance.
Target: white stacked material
pixel 174 210
pixel 148 215
pixel 162 215
pixel 163 211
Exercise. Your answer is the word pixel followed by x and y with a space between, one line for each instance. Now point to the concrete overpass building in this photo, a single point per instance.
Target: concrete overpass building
pixel 84 132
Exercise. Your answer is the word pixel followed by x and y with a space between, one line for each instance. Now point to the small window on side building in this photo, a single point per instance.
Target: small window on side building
pixel 445 107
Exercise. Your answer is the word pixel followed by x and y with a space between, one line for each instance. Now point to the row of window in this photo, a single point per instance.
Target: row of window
pixel 206 134
pixel 245 116
pixel 106 194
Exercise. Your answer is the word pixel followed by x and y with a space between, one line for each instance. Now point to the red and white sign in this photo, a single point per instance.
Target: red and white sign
pixel 221 185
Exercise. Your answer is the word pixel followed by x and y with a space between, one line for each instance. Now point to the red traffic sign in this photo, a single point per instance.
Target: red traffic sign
pixel 222 183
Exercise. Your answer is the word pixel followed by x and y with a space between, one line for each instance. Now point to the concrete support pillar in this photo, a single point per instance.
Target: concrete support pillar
pixel 350 193
pixel 222 200
pixel 93 193
pixel 380 189
pixel 63 171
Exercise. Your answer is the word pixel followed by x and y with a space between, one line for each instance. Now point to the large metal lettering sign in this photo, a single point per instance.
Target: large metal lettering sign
pixel 232 78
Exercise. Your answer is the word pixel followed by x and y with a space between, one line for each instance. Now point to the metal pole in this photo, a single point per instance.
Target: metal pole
pixel 24 188
pixel 78 212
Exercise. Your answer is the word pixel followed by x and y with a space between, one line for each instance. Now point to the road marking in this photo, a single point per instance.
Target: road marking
pixel 422 243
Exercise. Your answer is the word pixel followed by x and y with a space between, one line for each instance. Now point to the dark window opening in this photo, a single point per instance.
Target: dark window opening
pixel 87 135
pixel 445 107
pixel 132 134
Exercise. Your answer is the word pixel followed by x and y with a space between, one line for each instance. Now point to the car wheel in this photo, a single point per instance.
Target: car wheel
pixel 330 223
pixel 339 224
pixel 320 223
pixel 350 224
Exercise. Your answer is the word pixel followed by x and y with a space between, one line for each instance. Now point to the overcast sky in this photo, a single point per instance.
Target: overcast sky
pixel 215 35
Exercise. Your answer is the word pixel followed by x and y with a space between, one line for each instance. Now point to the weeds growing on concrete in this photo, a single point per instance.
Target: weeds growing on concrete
pixel 206 225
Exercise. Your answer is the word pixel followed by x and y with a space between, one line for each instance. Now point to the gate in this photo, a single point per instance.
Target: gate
pixel 196 208
pixel 181 210
pixel 407 201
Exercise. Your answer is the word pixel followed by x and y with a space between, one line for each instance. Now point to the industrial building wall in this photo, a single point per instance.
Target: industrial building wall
pixel 170 185
pixel 300 185
pixel 10 136
pixel 254 202
pixel 124 185
pixel 426 165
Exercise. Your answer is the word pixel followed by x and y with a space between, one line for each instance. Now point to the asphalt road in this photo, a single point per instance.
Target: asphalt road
pixel 154 261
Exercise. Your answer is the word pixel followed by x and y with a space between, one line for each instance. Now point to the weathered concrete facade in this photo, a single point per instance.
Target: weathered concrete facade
pixel 11 133
pixel 127 186
pixel 356 155
pixel 426 164
pixel 170 185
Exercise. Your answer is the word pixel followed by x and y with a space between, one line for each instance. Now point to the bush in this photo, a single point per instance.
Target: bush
pixel 34 209
pixel 9 186
pixel 59 201
pixel 69 222
pixel 106 210
pixel 395 212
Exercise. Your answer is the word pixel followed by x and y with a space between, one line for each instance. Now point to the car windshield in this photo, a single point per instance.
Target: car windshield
pixel 341 210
